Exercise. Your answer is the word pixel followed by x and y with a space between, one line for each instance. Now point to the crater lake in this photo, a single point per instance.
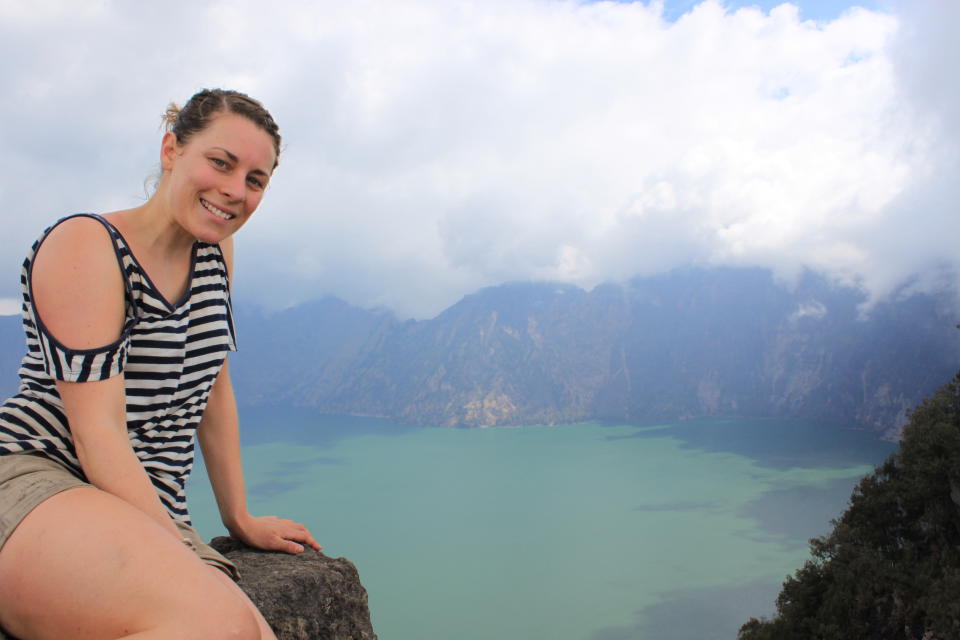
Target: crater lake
pixel 577 532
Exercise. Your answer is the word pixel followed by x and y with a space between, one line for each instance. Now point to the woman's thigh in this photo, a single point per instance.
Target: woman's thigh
pixel 85 564
pixel 266 633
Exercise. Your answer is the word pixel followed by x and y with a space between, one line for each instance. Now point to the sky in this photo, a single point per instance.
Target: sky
pixel 434 147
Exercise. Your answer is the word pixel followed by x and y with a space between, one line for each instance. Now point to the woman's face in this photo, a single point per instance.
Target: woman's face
pixel 216 179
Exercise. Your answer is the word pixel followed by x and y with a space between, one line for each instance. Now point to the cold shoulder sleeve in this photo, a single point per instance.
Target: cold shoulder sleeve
pixel 82 365
pixel 59 361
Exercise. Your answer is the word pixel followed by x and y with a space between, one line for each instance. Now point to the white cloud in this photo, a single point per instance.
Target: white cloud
pixel 435 147
pixel 9 307
pixel 810 309
pixel 43 12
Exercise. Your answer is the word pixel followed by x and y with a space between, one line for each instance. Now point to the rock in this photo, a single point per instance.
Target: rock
pixel 309 596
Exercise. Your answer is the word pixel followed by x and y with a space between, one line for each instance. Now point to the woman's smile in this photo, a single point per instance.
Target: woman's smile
pixel 217 211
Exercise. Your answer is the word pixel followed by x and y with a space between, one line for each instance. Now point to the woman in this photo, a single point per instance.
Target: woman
pixel 128 323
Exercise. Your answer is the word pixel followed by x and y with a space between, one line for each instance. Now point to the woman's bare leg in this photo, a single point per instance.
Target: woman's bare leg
pixel 87 565
pixel 266 633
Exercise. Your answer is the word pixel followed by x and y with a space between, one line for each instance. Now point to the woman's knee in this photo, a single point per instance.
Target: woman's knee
pixel 230 620
pixel 266 633
pixel 218 614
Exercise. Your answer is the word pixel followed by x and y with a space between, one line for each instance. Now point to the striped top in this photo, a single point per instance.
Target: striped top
pixel 169 355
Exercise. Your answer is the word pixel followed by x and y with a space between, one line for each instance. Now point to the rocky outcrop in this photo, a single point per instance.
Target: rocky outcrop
pixel 304 597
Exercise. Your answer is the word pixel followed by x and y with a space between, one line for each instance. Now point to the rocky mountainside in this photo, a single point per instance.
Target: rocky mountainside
pixel 692 343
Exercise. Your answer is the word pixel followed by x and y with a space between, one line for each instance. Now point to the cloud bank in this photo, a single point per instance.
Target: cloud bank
pixel 436 147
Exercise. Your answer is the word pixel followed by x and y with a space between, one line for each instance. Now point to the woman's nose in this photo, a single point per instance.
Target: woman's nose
pixel 234 188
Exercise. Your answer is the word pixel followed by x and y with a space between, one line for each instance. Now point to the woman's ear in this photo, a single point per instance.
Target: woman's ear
pixel 169 150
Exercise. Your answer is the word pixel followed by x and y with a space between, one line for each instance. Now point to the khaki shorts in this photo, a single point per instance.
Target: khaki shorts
pixel 27 480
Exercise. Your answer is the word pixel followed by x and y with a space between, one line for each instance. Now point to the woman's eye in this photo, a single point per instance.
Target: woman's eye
pixel 255 182
pixel 218 162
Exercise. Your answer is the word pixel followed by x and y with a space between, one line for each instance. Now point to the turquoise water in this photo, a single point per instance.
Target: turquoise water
pixel 580 532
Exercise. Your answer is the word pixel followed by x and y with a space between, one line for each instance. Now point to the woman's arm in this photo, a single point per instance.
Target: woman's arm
pixel 78 294
pixel 219 437
pixel 97 415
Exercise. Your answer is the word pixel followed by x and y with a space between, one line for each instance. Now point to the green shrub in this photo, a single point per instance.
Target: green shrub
pixel 890 569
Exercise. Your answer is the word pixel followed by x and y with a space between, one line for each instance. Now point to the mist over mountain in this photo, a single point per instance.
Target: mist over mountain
pixel 689 343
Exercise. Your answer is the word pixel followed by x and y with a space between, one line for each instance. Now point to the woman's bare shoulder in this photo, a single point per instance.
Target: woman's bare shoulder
pixel 76 284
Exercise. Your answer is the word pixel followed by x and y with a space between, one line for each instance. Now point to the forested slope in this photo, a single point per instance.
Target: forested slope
pixel 890 570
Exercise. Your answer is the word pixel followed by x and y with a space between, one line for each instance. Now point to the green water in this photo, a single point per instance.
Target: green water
pixel 580 532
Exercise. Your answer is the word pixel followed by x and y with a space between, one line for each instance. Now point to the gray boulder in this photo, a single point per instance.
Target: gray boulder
pixel 303 597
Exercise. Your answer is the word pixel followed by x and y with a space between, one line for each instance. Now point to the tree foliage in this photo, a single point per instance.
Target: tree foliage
pixel 890 569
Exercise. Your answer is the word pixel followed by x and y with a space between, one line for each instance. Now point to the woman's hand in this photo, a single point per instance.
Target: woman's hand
pixel 273 534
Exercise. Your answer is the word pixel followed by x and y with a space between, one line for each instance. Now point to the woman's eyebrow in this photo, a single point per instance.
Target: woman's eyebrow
pixel 232 157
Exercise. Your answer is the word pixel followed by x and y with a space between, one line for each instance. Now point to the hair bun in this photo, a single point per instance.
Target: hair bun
pixel 169 117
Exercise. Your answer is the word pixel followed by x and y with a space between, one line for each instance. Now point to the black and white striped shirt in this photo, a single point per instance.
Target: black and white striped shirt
pixel 169 355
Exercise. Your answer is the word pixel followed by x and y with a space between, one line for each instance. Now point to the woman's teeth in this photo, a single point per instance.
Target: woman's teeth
pixel 223 215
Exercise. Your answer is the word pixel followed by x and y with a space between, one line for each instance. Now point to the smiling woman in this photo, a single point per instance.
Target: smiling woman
pixel 128 321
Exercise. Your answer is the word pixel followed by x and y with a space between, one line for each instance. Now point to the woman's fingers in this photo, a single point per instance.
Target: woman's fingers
pixel 299 533
pixel 304 536
pixel 282 544
pixel 277 534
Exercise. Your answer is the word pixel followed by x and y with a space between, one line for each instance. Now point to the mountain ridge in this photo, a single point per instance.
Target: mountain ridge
pixel 686 344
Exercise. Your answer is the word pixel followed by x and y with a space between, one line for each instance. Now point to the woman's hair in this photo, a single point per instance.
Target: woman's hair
pixel 200 109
